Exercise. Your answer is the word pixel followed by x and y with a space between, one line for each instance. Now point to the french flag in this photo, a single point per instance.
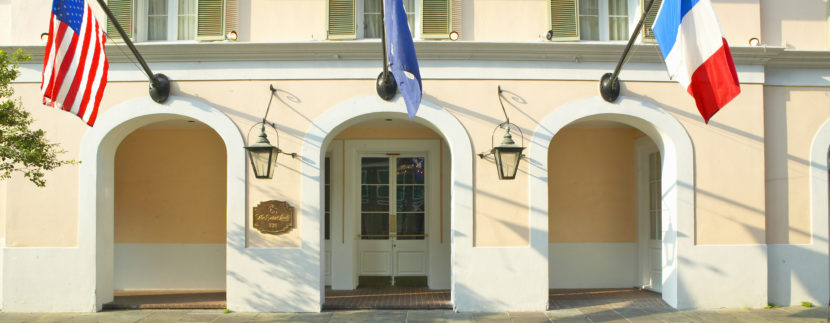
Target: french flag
pixel 696 53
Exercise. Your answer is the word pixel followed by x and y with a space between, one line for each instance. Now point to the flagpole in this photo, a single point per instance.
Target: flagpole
pixel 159 83
pixel 385 86
pixel 609 84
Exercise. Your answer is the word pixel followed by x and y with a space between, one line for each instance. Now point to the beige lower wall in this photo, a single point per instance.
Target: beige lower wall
pixel 794 116
pixel 170 187
pixel 592 185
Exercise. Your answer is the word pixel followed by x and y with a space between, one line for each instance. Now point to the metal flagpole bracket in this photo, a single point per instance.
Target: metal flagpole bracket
pixel 609 84
pixel 609 87
pixel 160 88
pixel 386 85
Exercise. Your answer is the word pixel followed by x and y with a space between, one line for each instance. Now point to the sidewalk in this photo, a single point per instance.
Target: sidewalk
pixel 583 314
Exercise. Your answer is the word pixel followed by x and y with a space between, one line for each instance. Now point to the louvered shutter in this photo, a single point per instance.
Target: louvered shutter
pixel 210 22
pixel 456 18
pixel 648 35
pixel 231 16
pixel 123 11
pixel 564 20
pixel 435 19
pixel 341 22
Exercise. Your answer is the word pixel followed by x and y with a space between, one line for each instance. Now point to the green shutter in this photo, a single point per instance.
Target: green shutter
pixel 210 22
pixel 435 17
pixel 231 16
pixel 648 35
pixel 341 22
pixel 564 20
pixel 456 18
pixel 123 11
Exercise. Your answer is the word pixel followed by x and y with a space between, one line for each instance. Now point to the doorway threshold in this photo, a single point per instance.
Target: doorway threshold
pixel 168 299
pixel 610 297
pixel 388 298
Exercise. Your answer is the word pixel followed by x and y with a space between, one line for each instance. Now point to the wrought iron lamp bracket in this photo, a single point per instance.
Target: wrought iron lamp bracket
pixel 505 125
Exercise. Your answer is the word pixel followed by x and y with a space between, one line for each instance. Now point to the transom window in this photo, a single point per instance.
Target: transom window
pixel 166 20
pixel 603 19
pixel 372 23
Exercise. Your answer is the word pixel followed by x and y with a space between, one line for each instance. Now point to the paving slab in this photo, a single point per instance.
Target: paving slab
pixel 235 318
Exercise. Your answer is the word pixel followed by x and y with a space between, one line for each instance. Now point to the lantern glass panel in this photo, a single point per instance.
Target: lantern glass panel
pixel 508 162
pixel 263 160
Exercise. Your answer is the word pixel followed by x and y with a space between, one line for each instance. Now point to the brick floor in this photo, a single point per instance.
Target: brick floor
pixel 393 298
pixel 161 299
pixel 387 298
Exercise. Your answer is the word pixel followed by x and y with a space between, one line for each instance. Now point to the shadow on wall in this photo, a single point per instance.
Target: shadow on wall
pixel 290 268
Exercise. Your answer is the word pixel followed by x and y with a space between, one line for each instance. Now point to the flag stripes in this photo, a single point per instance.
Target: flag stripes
pixel 75 65
pixel 696 53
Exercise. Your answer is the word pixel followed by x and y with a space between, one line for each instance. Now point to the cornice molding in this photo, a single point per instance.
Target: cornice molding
pixel 432 50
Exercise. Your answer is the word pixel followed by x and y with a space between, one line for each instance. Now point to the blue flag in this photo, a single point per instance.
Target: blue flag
pixel 401 50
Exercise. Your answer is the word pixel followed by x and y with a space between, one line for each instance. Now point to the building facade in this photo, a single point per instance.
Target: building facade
pixel 635 193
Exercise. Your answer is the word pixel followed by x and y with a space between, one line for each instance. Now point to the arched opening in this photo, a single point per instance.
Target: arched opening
pixel 676 179
pixel 604 215
pixel 169 217
pixel 386 215
pixel 96 227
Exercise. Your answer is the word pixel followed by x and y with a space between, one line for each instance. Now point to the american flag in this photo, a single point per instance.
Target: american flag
pixel 75 67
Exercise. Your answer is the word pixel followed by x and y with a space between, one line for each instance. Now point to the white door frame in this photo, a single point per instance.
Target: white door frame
pixel 643 147
pixel 355 149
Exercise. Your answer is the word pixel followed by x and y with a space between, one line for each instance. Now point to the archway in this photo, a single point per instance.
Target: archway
pixel 96 207
pixel 677 177
pixel 358 110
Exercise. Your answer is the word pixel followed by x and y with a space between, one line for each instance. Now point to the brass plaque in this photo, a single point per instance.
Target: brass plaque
pixel 274 217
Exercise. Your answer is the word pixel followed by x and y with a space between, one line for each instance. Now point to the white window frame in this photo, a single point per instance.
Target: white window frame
pixel 141 23
pixel 634 11
pixel 359 33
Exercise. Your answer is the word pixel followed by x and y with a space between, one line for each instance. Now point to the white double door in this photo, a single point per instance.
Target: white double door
pixel 393 213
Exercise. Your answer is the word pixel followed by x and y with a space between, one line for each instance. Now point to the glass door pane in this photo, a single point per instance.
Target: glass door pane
pixel 374 198
pixel 409 198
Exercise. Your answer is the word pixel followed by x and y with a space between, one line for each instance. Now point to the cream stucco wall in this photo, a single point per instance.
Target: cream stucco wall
pixel 381 132
pixel 797 25
pixel 170 187
pixel 592 185
pixel 509 20
pixel 794 115
pixel 22 21
pixel 739 31
pixel 729 151
pixel 284 20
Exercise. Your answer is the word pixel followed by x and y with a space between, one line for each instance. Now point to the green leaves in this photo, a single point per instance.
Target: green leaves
pixel 22 149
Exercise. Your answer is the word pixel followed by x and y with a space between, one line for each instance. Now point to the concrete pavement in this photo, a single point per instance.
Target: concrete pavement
pixel 583 314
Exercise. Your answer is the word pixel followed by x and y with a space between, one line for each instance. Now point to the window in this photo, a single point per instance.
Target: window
pixel 599 20
pixel 158 23
pixel 172 20
pixel 361 19
pixel 372 19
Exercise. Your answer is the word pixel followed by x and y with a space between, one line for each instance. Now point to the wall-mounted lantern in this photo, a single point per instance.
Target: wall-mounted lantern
pixel 507 154
pixel 263 155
